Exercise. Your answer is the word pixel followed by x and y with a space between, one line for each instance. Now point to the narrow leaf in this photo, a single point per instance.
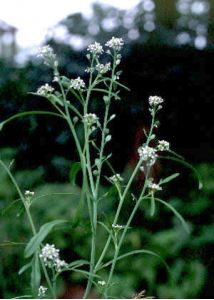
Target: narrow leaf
pixel 35 274
pixel 169 178
pixel 183 222
pixel 36 241
pixel 22 297
pixel 133 253
pixel 85 273
pixel 78 263
pixel 106 228
pixel 152 205
pixel 10 206
pixel 55 99
pixel 75 168
pixel 189 166
pixel 176 154
pixel 122 85
pixel 24 268
pixel 27 113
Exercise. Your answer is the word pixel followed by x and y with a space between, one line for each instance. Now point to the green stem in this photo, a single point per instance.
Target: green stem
pixel 27 113
pixel 118 211
pixel 124 234
pixel 30 221
pixel 92 186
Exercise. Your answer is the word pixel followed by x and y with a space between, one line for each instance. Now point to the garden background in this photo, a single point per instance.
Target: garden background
pixel 168 51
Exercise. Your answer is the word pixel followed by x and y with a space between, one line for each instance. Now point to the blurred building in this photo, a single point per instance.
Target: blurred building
pixel 8 46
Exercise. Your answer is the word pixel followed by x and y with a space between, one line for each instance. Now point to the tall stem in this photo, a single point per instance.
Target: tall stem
pixel 33 228
pixel 123 235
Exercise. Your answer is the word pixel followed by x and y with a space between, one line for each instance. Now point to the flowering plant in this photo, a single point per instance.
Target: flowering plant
pixel 44 259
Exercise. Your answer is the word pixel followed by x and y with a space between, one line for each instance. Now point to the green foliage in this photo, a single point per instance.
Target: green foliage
pixel 186 255
pixel 117 238
pixel 34 244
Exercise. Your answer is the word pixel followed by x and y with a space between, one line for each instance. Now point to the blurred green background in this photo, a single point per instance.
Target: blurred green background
pixel 169 52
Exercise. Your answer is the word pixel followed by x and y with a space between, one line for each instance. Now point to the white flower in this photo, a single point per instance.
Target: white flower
pixel 101 282
pixel 60 264
pixel 29 193
pixel 163 145
pixel 147 154
pixel 117 226
pixel 115 43
pixel 116 178
pixel 95 48
pixel 48 55
pixel 90 119
pixel 42 291
pixel 89 70
pixel 50 255
pixel 77 84
pixel 102 69
pixel 154 186
pixel 155 100
pixel 45 90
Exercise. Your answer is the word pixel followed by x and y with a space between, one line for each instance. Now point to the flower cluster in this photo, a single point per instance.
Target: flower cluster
pixel 60 264
pixel 29 193
pixel 147 154
pixel 154 186
pixel 45 90
pixel 95 49
pixel 155 101
pixel 48 55
pixel 116 179
pixel 77 84
pixel 163 145
pixel 115 43
pixel 42 291
pixel 117 226
pixel 50 256
pixel 101 282
pixel 102 69
pixel 90 119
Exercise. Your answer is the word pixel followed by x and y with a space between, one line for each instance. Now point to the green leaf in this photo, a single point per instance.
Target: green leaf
pixel 169 178
pixel 65 82
pixel 36 241
pixel 152 205
pixel 24 268
pixel 9 243
pixel 10 206
pixel 75 168
pixel 78 263
pixel 27 113
pixel 22 297
pixel 176 154
pixel 189 166
pixel 86 273
pixel 35 274
pixel 53 194
pixel 183 222
pixel 106 228
pixel 122 85
pixel 55 100
pixel 133 253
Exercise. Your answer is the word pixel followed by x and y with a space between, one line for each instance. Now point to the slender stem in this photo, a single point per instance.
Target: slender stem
pixel 117 249
pixel 122 198
pixel 70 123
pixel 92 186
pixel 118 211
pixel 30 221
